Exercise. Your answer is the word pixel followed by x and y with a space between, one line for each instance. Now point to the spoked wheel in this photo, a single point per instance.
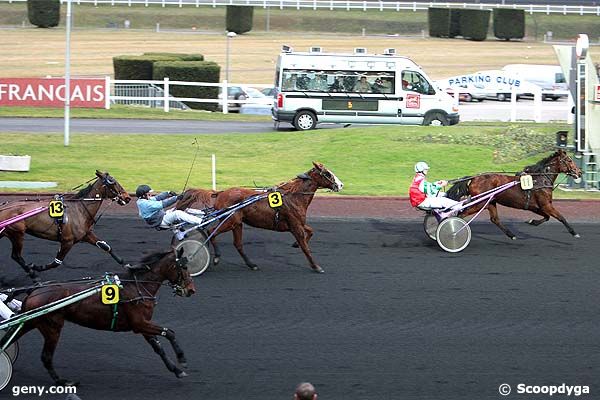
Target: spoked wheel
pixel 430 225
pixel 5 369
pixel 195 248
pixel 13 350
pixel 453 234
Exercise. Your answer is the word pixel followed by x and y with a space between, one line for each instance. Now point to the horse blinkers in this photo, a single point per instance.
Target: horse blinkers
pixel 184 286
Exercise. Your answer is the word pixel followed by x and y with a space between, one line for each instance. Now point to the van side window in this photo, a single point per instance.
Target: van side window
pixel 559 78
pixel 414 82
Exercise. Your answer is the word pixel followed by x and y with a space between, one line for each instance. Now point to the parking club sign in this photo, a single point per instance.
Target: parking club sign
pixel 50 92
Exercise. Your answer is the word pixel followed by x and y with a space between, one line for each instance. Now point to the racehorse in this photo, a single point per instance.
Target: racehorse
pixel 538 199
pixel 297 194
pixel 133 312
pixel 76 226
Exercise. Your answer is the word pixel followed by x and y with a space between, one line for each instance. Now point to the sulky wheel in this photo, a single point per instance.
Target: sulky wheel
pixel 5 369
pixel 13 350
pixel 430 225
pixel 453 234
pixel 195 247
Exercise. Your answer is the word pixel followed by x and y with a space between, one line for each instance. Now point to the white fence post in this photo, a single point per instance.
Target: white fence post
pixel 166 95
pixel 107 92
pixel 225 97
pixel 537 105
pixel 513 104
pixel 214 172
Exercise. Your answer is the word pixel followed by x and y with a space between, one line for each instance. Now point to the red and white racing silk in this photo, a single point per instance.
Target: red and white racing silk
pixel 420 189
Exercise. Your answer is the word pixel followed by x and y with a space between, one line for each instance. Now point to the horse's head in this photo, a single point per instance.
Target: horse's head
pixel 178 275
pixel 566 164
pixel 112 189
pixel 324 178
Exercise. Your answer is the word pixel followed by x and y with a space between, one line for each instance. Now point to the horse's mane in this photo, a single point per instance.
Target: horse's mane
pixel 83 192
pixel 293 185
pixel 154 257
pixel 540 165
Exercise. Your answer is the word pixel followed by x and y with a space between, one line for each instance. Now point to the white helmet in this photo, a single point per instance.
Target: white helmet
pixel 421 166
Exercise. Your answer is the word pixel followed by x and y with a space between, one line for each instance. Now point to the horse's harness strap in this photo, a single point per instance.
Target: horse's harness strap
pixel 115 315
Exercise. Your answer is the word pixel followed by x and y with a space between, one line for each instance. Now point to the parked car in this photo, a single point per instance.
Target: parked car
pixel 269 91
pixel 467 94
pixel 245 93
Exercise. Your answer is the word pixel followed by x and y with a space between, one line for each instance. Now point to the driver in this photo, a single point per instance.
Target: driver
pixel 426 194
pixel 152 209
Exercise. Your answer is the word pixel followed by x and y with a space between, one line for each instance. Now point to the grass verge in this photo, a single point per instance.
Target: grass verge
pixel 370 161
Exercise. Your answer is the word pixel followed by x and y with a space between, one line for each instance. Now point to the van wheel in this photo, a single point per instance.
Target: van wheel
pixel 501 97
pixel 435 119
pixel 305 120
pixel 468 98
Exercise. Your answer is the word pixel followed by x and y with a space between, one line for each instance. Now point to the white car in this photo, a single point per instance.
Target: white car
pixel 258 100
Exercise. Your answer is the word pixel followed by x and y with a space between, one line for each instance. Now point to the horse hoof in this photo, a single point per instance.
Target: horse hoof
pixel 295 245
pixel 576 235
pixel 318 270
pixel 181 374
pixel 530 222
pixel 513 237
pixel 216 260
pixel 253 267
pixel 183 363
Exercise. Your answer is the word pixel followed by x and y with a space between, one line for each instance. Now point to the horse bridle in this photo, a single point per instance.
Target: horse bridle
pixel 563 161
pixel 181 265
pixel 108 183
pixel 328 178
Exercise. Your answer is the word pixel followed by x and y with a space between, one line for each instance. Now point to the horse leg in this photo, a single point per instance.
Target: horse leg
pixel 17 250
pixel 170 335
pixel 308 231
pixel 549 209
pixel 65 247
pixel 91 238
pixel 50 329
pixel 493 210
pixel 238 243
pixel 157 347
pixel 536 222
pixel 300 235
pixel 217 250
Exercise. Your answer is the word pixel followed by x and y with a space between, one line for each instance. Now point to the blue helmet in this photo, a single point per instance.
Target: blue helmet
pixel 142 190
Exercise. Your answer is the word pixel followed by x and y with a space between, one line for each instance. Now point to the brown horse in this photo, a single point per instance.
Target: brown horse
pixel 537 200
pixel 77 224
pixel 134 310
pixel 297 194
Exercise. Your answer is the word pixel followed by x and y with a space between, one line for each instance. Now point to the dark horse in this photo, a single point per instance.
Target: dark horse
pixel 77 224
pixel 537 200
pixel 133 312
pixel 297 194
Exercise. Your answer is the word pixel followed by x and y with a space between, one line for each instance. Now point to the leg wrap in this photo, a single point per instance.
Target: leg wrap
pixel 103 245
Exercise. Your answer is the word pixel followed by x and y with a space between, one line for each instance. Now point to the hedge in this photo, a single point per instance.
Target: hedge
pixel 239 19
pixel 509 23
pixel 455 22
pixel 474 24
pixel 137 67
pixel 43 13
pixel 178 56
pixel 438 20
pixel 190 71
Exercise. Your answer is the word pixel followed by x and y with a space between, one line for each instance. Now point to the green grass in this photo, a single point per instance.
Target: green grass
pixel 370 161
pixel 125 112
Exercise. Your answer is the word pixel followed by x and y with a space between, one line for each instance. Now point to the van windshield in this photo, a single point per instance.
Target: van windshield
pixel 413 81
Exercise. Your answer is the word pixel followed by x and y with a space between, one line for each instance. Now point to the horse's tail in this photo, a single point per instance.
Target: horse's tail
pixel 198 198
pixel 459 189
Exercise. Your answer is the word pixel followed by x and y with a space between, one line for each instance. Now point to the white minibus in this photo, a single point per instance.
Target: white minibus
pixel 316 87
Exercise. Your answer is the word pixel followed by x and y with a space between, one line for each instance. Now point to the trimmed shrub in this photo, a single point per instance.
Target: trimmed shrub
pixel 43 13
pixel 438 20
pixel 239 19
pixel 190 71
pixel 178 56
pixel 455 22
pixel 474 24
pixel 137 67
pixel 509 23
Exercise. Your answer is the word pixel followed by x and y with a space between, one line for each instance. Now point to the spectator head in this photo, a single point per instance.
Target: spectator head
pixel 305 391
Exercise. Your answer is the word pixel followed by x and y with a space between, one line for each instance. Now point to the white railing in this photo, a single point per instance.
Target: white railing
pixel 344 5
pixel 167 97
